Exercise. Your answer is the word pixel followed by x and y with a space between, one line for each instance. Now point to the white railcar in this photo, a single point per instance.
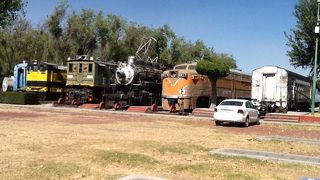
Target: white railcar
pixel 279 89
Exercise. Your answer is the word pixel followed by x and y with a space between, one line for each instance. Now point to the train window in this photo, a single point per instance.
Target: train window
pixel 35 68
pixel 43 67
pixel 80 68
pixel 70 67
pixel 85 67
pixel 181 67
pixel 192 67
pixel 90 68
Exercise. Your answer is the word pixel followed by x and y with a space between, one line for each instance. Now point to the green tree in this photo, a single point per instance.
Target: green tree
pixel 15 44
pixel 58 48
pixel 163 35
pixel 80 32
pixel 215 67
pixel 302 39
pixel 9 10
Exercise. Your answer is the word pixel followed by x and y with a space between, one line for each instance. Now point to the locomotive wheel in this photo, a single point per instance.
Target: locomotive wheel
pixel 75 102
pixel 154 107
pixel 101 105
pixel 60 101
pixel 173 108
pixel 117 106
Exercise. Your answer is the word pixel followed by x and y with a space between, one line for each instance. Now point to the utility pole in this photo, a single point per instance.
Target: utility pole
pixel 314 80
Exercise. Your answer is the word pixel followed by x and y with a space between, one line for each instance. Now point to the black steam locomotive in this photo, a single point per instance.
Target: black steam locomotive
pixel 136 82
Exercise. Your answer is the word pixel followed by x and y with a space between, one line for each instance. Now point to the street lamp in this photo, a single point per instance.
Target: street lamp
pixel 317 31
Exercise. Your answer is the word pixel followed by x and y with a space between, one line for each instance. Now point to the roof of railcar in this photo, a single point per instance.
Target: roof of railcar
pixel 289 72
pixel 235 71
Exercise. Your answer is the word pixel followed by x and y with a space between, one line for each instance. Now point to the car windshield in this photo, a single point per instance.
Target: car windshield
pixel 231 103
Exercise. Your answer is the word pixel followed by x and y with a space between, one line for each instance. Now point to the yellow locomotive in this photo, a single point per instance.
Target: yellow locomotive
pixel 47 79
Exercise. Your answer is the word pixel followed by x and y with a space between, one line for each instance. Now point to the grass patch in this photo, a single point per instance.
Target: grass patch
pixel 240 175
pixel 173 148
pixel 130 159
pixel 221 171
pixel 113 177
pixel 245 160
pixel 49 170
pixel 59 169
pixel 201 168
pixel 180 148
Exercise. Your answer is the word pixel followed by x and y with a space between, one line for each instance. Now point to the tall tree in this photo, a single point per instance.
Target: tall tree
pixel 80 32
pixel 215 67
pixel 9 10
pixel 301 40
pixel 57 39
pixel 164 35
pixel 15 44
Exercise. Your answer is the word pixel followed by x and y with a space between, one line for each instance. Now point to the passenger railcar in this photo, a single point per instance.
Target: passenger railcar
pixel 47 79
pixel 184 89
pixel 280 90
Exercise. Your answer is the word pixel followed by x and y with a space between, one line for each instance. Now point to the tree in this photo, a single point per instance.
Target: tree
pixel 9 10
pixel 302 39
pixel 163 35
pixel 59 49
pixel 215 67
pixel 80 32
pixel 15 44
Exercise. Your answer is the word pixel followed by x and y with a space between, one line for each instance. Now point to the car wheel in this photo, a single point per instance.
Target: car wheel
pixel 218 123
pixel 246 123
pixel 258 121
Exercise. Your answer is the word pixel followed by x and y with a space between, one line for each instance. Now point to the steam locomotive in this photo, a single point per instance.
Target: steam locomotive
pixel 136 82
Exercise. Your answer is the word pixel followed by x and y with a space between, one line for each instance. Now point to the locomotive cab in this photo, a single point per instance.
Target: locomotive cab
pixel 46 78
pixel 87 79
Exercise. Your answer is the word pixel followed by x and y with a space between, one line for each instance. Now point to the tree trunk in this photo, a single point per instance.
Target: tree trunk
pixel 213 82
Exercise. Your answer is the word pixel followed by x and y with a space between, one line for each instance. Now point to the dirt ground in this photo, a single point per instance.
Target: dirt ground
pixel 80 144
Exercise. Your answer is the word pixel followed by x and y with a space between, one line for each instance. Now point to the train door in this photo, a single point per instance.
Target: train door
pixel 21 78
pixel 269 86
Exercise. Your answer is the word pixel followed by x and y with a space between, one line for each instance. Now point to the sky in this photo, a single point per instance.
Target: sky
pixel 252 31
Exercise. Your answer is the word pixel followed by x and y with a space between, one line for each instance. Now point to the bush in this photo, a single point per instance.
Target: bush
pixel 19 98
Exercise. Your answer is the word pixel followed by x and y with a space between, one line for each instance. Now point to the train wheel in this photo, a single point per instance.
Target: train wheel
pixel 117 106
pixel 173 108
pixel 60 101
pixel 154 107
pixel 101 105
pixel 75 102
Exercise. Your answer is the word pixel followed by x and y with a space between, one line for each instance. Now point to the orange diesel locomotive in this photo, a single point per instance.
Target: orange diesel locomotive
pixel 184 89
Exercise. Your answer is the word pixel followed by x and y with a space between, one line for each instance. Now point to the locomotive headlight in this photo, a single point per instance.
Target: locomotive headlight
pixel 69 76
pixel 89 76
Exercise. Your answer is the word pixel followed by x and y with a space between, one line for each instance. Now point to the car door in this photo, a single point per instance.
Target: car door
pixel 255 112
pixel 249 111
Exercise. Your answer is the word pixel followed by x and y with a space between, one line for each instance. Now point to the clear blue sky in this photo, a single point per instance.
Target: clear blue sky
pixel 250 30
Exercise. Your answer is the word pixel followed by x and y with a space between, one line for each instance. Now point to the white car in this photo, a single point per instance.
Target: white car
pixel 236 110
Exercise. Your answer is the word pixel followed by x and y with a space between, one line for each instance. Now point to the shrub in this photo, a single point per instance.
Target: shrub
pixel 19 98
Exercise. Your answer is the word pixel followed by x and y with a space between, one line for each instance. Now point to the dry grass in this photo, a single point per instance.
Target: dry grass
pixel 50 147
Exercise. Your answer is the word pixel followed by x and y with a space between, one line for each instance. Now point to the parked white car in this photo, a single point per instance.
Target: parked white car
pixel 236 110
